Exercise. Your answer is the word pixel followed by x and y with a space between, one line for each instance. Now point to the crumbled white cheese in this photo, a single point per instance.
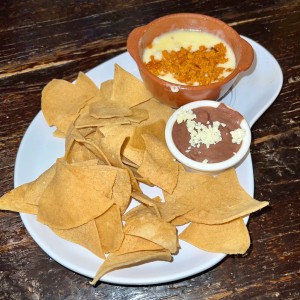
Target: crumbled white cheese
pixel 200 133
pixel 205 161
pixel 185 115
pixel 238 135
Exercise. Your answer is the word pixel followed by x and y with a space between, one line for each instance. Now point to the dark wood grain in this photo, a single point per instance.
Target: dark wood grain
pixel 41 40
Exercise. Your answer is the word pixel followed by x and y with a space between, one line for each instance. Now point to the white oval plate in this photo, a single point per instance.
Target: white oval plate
pixel 251 96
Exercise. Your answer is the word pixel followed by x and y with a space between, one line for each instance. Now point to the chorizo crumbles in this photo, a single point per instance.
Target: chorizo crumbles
pixel 200 67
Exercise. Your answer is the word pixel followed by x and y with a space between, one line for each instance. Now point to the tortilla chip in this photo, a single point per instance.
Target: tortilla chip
pixel 187 181
pixel 76 195
pixel 87 163
pixel 135 244
pixel 110 229
pixel 26 197
pixel 230 238
pixel 122 190
pixel 86 120
pixel 87 85
pixel 158 164
pixel 156 110
pixel 221 199
pixel 114 262
pixel 15 201
pixel 127 89
pixel 179 221
pixel 107 110
pixel 140 178
pixel 61 103
pixel 128 162
pixel 77 147
pixel 111 143
pixel 106 88
pixel 135 148
pixel 37 187
pixel 167 211
pixel 147 225
pixel 85 235
pixel 57 133
pixel 147 202
pixel 170 211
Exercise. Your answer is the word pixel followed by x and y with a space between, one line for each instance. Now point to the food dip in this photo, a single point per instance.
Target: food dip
pixel 189 57
pixel 208 134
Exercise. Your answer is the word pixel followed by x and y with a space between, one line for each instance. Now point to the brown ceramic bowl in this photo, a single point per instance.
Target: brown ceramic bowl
pixel 177 95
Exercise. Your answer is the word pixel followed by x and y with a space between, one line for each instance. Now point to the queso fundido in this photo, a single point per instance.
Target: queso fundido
pixel 189 57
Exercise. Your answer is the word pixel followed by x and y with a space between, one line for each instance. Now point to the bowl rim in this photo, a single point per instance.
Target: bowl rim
pixel 141 31
pixel 200 166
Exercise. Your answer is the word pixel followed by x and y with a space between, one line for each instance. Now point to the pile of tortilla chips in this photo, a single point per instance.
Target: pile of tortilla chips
pixel 114 139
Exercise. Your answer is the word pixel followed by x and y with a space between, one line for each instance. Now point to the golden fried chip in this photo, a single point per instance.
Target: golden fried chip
pixel 169 211
pixel 107 110
pixel 61 103
pixel 156 110
pixel 78 147
pixel 147 225
pixel 85 235
pixel 215 200
pixel 127 89
pixel 37 187
pixel 158 164
pixel 106 88
pixel 26 197
pixel 134 244
pixel 110 229
pixel 229 238
pixel 111 143
pixel 135 148
pixel 85 163
pixel 76 195
pixel 57 133
pixel 114 262
pixel 122 190
pixel 87 85
pixel 179 221
pixel 147 203
pixel 188 187
pixel 139 178
pixel 78 152
pixel 221 199
pixel 86 120
pixel 138 115
pixel 128 162
pixel 15 201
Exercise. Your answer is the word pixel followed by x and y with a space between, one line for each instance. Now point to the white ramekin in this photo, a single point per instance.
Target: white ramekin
pixel 195 166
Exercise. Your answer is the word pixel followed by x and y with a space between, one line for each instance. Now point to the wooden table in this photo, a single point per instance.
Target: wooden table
pixel 41 40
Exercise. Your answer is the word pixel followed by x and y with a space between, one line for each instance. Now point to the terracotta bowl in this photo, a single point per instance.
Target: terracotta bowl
pixel 177 95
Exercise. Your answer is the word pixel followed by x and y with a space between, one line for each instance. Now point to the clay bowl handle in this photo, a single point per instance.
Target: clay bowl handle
pixel 247 55
pixel 133 42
